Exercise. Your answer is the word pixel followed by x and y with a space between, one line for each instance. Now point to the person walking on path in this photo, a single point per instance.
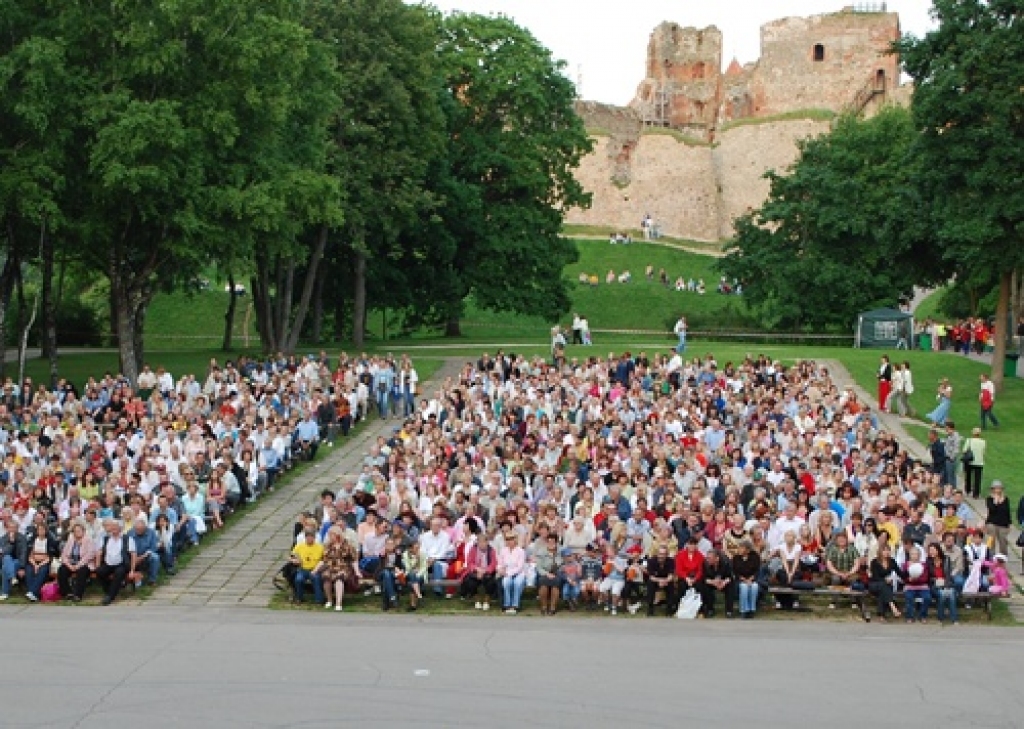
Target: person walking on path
pixel 997 518
pixel 884 383
pixel 945 397
pixel 973 457
pixel 896 404
pixel 680 332
pixel 903 398
pixel 987 398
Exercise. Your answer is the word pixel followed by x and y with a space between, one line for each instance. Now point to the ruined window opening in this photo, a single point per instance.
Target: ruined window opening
pixel 819 52
pixel 880 80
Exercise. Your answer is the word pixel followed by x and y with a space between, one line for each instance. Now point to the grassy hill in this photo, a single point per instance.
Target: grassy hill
pixel 196 320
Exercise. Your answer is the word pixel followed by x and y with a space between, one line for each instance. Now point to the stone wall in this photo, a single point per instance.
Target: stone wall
pixel 693 190
pixel 823 61
pixel 745 153
pixel 671 180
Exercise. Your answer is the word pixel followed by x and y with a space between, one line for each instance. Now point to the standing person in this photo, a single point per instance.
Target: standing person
pixel 577 329
pixel 884 382
pixel 896 399
pixel 997 518
pixel 585 331
pixel 680 331
pixel 944 396
pixel 952 444
pixel 937 450
pixel 908 389
pixel 973 457
pixel 987 398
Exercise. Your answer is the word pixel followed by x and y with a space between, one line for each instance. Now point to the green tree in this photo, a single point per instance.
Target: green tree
pixel 187 141
pixel 387 129
pixel 968 106
pixel 842 231
pixel 514 140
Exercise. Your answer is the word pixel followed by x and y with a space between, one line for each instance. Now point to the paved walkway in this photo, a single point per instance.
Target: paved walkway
pixel 895 424
pixel 238 568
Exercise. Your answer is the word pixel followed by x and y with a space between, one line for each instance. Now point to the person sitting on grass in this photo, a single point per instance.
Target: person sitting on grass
pixel 43 547
pixel 436 546
pixel 570 575
pixel 143 545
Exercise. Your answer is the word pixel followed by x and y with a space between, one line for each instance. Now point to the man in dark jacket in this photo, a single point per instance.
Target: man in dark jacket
pixel 718 578
pixel 937 450
pixel 14 549
pixel 661 576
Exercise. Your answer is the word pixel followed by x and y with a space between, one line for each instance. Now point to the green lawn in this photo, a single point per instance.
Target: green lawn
pixel 929 307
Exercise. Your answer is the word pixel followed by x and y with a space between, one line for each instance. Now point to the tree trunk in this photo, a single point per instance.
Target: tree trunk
pixel 229 316
pixel 23 341
pixel 6 288
pixel 138 330
pixel 264 310
pixel 339 315
pixel 358 295
pixel 452 327
pixel 312 267
pixel 125 328
pixel 318 304
pixel 1001 331
pixel 49 343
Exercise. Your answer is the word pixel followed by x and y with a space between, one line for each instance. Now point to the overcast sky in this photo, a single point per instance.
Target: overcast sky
pixel 607 39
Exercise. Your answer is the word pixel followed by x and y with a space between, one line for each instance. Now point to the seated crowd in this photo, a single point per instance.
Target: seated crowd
pixel 620 483
pixel 111 483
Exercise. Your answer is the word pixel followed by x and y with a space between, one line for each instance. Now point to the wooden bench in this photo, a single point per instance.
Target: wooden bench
pixel 858 597
pixel 986 599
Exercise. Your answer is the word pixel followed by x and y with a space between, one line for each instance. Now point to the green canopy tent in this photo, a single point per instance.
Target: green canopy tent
pixel 884 329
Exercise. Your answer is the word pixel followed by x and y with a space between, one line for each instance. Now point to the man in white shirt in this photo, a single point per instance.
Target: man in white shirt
pixel 789 521
pixel 436 547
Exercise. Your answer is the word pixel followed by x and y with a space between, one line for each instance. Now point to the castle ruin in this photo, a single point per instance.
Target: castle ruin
pixel 693 145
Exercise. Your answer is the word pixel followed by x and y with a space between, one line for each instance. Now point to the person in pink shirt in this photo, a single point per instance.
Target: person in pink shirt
pixel 512 571
pixel 999 580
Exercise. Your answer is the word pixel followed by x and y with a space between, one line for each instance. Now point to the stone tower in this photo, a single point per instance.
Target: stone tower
pixel 682 86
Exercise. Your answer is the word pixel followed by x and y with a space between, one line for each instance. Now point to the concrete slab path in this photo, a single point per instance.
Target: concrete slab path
pixel 238 569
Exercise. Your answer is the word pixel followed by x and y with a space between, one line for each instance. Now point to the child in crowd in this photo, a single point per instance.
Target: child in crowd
pixel 590 576
pixel 571 574
pixel 614 582
pixel 999 579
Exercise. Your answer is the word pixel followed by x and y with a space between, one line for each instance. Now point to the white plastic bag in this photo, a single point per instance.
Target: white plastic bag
pixel 689 606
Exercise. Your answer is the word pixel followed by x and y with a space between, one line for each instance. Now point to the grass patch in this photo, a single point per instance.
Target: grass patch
pixel 677 135
pixel 601 232
pixel 796 115
pixel 929 307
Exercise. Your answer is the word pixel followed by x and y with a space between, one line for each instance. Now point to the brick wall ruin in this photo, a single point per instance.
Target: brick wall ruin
pixel 677 151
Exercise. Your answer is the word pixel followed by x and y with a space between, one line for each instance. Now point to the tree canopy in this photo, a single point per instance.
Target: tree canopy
pixel 968 107
pixel 363 152
pixel 844 230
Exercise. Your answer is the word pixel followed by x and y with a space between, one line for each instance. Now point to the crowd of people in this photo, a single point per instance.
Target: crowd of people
pixel 643 482
pixel 109 484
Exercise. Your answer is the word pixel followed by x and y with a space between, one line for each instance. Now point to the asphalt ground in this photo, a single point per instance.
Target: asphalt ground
pixel 178 666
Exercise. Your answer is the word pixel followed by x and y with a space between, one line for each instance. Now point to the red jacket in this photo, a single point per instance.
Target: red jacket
pixel 689 564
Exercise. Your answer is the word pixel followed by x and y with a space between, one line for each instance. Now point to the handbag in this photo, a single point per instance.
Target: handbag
pixel 1020 540
pixel 689 606
pixel 968 457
